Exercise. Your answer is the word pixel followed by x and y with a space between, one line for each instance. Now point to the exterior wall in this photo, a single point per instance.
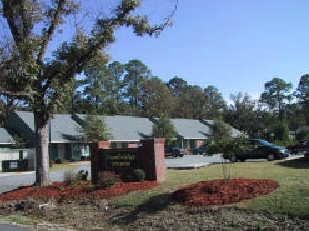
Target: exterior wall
pixel 5 146
pixel 200 142
pixel 67 151
pixel 16 125
pixel 133 145
pixel 61 151
pixel 189 143
pixel 53 151
pixel 14 154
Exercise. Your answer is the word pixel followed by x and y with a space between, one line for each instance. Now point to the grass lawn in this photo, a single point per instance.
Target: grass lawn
pixel 292 196
pixel 65 166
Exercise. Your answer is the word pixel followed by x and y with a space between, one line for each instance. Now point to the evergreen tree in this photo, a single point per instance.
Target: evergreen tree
pixel 164 128
pixel 95 129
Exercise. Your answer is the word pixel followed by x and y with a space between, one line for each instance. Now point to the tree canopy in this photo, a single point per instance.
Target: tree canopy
pixel 276 93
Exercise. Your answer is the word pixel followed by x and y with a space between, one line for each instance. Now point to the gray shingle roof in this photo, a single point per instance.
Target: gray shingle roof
pixel 127 128
pixel 192 129
pixel 5 137
pixel 63 129
pixel 27 117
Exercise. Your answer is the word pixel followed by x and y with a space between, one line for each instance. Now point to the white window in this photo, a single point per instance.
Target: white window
pixel 13 165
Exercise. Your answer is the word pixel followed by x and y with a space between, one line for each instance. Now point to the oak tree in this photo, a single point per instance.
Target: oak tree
pixel 37 66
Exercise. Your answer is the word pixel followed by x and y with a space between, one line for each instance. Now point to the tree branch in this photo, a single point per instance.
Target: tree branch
pixel 48 34
pixel 26 22
pixel 8 12
pixel 167 21
pixel 17 94
pixel 106 36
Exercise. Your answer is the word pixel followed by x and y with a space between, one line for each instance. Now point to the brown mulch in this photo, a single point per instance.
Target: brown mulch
pixel 76 191
pixel 221 192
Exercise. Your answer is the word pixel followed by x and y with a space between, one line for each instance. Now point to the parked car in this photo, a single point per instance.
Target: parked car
pixel 302 146
pixel 202 149
pixel 175 152
pixel 259 149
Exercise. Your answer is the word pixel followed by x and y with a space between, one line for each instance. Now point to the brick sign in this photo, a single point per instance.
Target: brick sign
pixel 149 156
pixel 121 159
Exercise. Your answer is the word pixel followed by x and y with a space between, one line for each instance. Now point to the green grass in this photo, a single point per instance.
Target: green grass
pixel 64 166
pixel 21 220
pixel 292 196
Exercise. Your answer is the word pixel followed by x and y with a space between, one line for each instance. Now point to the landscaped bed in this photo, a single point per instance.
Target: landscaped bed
pixel 60 190
pixel 222 192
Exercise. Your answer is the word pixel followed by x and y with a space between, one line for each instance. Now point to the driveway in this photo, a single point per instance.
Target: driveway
pixel 203 160
pixel 189 161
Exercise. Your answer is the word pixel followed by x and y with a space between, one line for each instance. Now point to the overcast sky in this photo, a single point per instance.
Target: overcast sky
pixel 235 45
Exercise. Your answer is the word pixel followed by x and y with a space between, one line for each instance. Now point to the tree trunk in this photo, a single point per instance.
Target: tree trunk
pixel 42 156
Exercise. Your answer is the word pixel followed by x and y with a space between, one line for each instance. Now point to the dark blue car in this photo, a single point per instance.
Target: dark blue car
pixel 200 150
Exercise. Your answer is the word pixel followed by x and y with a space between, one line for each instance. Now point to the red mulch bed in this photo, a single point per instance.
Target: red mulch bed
pixel 203 193
pixel 220 192
pixel 59 190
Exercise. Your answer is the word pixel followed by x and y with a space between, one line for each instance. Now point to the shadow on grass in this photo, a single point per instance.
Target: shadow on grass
pixel 301 163
pixel 152 206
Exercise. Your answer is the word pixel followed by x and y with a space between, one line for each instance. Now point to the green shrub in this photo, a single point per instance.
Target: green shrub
pixel 79 175
pixel 75 159
pixel 284 142
pixel 71 177
pixel 59 161
pixel 68 177
pixel 139 174
pixel 106 179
